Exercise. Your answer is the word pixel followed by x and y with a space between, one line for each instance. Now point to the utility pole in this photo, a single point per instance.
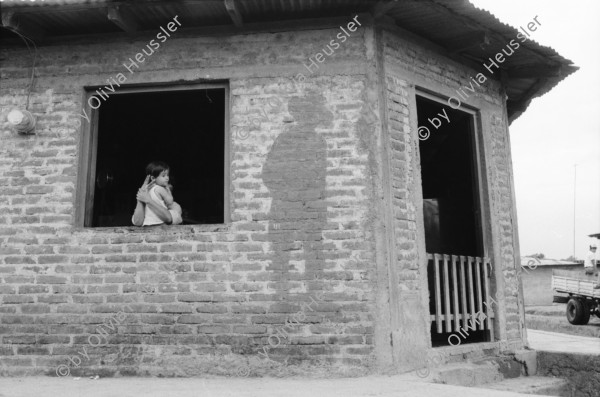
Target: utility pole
pixel 574 205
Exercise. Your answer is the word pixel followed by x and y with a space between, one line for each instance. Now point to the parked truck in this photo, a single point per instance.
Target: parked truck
pixel 576 290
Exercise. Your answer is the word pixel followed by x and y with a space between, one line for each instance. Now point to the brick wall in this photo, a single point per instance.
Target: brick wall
pixel 409 65
pixel 291 279
pixel 503 214
pixel 192 299
pixel 410 331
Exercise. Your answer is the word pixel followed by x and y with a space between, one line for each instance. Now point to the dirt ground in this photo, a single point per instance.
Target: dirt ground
pixel 553 319
pixel 563 343
pixel 372 386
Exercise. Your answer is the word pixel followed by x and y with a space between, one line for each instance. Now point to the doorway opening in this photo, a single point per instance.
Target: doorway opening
pixel 458 273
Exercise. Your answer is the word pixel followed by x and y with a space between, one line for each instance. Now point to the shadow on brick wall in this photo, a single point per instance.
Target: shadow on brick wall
pixel 294 173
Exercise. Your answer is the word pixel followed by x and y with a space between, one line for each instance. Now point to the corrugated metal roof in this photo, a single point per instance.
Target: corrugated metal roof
pixel 448 23
pixel 37 3
pixel 532 263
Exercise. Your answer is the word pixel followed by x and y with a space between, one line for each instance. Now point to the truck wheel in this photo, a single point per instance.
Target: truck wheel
pixel 577 312
pixel 587 312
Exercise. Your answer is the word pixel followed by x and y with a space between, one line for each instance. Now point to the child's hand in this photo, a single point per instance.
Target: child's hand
pixel 165 195
pixel 147 183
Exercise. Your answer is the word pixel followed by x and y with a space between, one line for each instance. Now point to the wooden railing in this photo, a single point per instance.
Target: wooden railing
pixel 462 293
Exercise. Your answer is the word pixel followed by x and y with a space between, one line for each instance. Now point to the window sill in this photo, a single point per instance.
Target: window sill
pixel 162 229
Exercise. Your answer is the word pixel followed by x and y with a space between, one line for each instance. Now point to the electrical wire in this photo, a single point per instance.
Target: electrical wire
pixel 25 39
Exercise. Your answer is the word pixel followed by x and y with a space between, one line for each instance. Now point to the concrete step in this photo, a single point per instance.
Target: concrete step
pixel 480 372
pixel 504 373
pixel 538 385
pixel 466 374
pixel 573 358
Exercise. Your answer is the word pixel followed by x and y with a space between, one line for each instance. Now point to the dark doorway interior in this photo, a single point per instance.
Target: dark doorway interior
pixel 185 129
pixel 450 193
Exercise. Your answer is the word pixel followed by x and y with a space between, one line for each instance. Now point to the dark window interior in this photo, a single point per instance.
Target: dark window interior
pixel 185 129
pixel 450 193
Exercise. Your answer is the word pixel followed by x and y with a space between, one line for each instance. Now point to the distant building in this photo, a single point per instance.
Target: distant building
pixel 536 275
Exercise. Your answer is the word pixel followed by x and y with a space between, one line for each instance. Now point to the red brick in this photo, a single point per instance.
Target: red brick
pixel 106 249
pixel 39 249
pixel 51 280
pixel 18 260
pixel 88 299
pixel 178 308
pixel 211 308
pixel 71 269
pixel 19 339
pixel 176 248
pixel 249 329
pixel 38 189
pixel 33 289
pixel 35 309
pixel 7 299
pixel 104 269
pixel 194 297
pixel 51 339
pixel 7 289
pixel 43 259
pixel 52 299
pixel 159 318
pixel 73 249
pixel 213 329
pixel 120 258
pixel 193 319
pixel 159 298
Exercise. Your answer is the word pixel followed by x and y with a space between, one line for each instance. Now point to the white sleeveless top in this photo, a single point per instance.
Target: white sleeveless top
pixel 150 217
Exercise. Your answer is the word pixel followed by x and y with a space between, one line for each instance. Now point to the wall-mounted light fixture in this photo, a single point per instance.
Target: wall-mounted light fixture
pixel 22 121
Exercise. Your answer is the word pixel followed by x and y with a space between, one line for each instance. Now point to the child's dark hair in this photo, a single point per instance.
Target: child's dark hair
pixel 155 168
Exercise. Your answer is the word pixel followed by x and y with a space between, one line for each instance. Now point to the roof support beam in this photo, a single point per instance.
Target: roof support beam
pixel 119 17
pixel 11 22
pixel 534 71
pixel 382 7
pixel 234 13
pixel 516 107
pixel 479 39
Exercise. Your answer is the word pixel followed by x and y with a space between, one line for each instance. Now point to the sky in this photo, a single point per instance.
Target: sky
pixel 558 131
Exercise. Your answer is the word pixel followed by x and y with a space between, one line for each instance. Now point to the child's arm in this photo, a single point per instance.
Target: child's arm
pixel 165 195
